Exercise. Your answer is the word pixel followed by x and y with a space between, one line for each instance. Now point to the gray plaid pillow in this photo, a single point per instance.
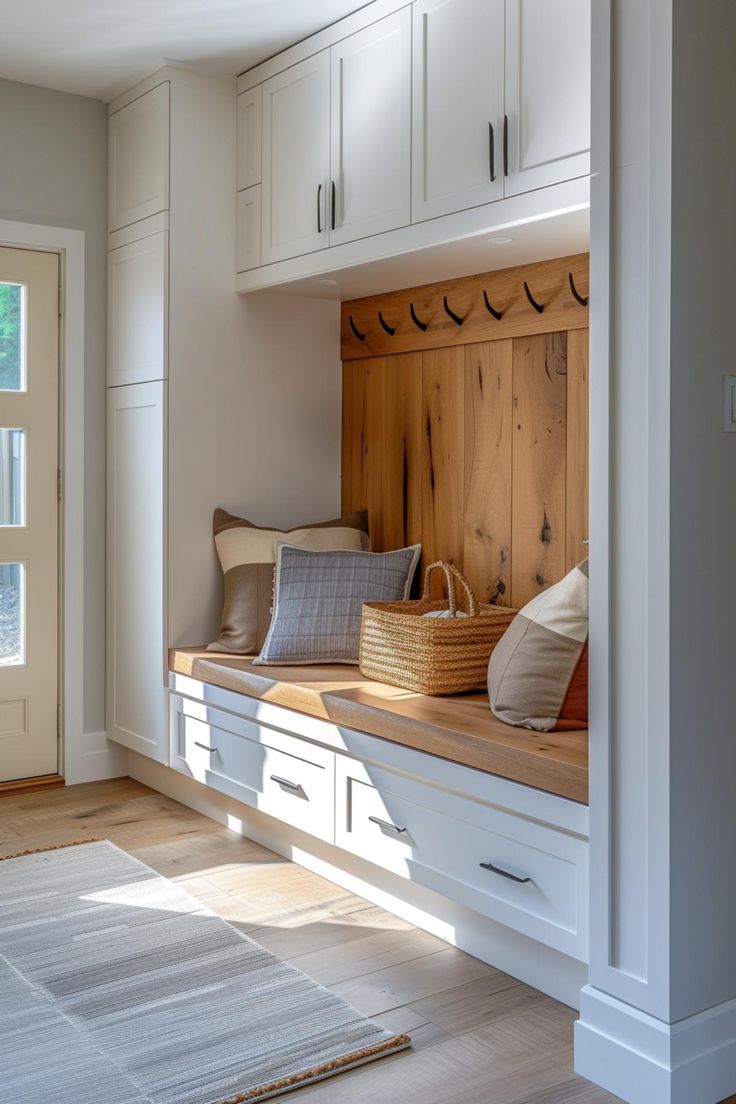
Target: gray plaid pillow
pixel 319 596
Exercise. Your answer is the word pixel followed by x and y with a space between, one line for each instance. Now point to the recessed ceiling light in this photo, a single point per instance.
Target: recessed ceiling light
pixel 500 241
pixel 328 282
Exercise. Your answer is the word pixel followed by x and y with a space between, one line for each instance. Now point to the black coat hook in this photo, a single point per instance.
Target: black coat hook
pixel 537 306
pixel 449 311
pixel 498 315
pixel 360 336
pixel 389 329
pixel 420 325
pixel 582 299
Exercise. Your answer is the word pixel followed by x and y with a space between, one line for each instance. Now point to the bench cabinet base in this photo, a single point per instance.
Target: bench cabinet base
pixel 427 828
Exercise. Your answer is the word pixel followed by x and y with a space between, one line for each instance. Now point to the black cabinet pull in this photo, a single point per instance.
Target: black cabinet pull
pixel 504 873
pixel 387 826
pixel 491 153
pixel 505 145
pixel 205 747
pixel 334 204
pixel 319 209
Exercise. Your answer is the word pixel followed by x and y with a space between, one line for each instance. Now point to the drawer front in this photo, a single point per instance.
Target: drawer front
pixel 526 875
pixel 281 775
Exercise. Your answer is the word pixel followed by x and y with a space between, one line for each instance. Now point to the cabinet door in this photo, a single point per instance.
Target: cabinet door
pixel 248 229
pixel 458 105
pixel 137 294
pixel 370 131
pixel 139 158
pixel 135 568
pixel 249 138
pixel 296 158
pixel 547 92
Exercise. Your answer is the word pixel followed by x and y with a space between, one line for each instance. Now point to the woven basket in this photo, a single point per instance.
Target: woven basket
pixel 431 655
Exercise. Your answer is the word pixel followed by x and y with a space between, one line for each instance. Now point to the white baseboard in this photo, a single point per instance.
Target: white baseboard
pixel 646 1061
pixel 91 757
pixel 523 958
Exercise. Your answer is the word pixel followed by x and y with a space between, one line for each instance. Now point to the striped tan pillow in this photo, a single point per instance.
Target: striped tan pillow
pixel 538 672
pixel 247 558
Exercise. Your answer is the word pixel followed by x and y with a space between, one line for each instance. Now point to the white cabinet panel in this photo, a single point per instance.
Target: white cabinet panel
pixel 137 294
pixel 248 224
pixel 296 156
pixel 249 110
pixel 136 714
pixel 370 130
pixel 139 159
pixel 524 874
pixel 547 92
pixel 458 105
pixel 279 774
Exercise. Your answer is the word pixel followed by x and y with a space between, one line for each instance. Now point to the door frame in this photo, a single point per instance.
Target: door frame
pixel 69 245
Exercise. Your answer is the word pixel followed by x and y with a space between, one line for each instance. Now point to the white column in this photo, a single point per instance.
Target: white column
pixel 658 1018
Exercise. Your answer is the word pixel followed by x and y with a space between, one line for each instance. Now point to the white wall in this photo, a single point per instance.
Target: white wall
pixel 53 148
pixel 259 435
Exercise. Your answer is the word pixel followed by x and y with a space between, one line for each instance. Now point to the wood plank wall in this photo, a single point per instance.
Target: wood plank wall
pixel 477 450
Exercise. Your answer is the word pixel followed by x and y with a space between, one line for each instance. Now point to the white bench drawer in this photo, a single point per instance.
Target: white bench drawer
pixel 527 875
pixel 284 776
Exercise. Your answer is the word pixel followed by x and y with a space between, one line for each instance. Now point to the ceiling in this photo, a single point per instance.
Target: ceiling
pixel 100 47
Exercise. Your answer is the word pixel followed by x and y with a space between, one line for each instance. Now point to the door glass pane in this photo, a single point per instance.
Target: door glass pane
pixel 12 476
pixel 12 614
pixel 12 337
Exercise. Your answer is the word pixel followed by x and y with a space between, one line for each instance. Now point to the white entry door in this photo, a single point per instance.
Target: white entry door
pixel 29 560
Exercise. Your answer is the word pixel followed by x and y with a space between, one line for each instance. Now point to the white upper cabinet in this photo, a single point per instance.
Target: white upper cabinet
pixel 547 92
pixel 139 159
pixel 296 159
pixel 249 137
pixel 137 311
pixel 386 136
pixel 458 105
pixel 370 130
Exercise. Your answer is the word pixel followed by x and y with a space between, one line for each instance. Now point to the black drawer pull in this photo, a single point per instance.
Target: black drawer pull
pixel 505 145
pixel 319 209
pixel 292 787
pixel 491 153
pixel 504 873
pixel 387 826
pixel 334 205
pixel 204 747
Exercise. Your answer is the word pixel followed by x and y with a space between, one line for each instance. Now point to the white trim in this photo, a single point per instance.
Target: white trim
pixel 642 1059
pixel 531 962
pixel 69 244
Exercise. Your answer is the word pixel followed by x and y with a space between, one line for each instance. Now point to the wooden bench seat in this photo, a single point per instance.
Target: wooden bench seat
pixel 461 729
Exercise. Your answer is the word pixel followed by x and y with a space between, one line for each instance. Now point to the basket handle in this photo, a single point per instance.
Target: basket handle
pixel 451 573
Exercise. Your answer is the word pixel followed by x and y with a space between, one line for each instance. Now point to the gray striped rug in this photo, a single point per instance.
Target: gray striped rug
pixel 116 987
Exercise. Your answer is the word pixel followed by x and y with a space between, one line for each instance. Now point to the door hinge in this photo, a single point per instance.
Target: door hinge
pixel 58 484
pixel 61 300
pixel 59 721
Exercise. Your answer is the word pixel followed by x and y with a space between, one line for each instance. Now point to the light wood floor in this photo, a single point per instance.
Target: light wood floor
pixel 479 1036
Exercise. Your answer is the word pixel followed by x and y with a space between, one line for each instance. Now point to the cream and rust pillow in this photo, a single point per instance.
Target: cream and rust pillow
pixel 538 671
pixel 247 556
